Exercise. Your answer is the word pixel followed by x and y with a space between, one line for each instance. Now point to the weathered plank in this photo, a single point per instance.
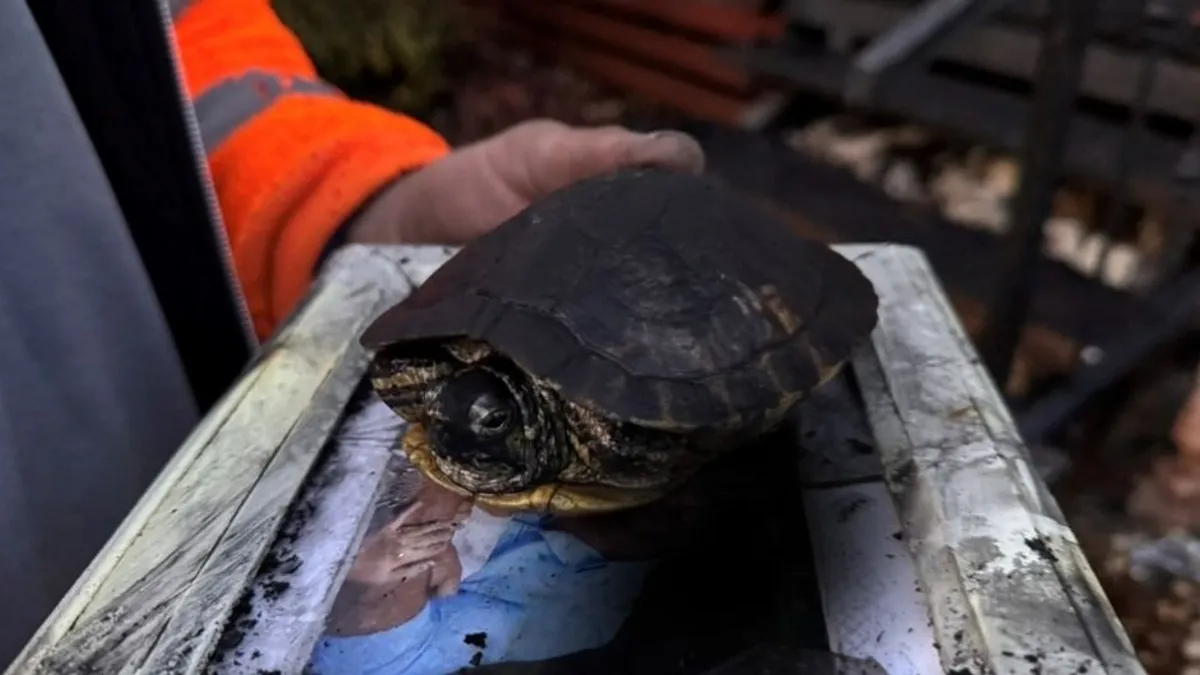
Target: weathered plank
pixel 284 615
pixel 1009 587
pixel 873 604
pixel 274 628
pixel 157 597
pixel 1000 573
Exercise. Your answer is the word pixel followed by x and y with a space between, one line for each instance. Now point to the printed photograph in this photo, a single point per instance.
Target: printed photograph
pixel 681 585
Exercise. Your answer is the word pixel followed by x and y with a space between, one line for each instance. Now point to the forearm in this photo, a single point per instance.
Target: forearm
pixel 291 157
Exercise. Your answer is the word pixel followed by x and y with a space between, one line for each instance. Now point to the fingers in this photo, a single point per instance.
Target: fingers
pixel 593 151
pixel 541 156
pixel 384 571
pixel 668 149
pixel 403 555
pixel 420 531
pixel 413 541
pixel 399 574
pixel 414 551
pixel 475 188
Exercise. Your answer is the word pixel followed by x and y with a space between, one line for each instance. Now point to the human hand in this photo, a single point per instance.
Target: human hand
pixel 479 186
pixel 409 546
pixel 401 566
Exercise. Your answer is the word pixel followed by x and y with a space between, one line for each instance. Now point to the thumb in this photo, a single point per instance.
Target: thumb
pixel 668 149
pixel 557 155
pixel 597 150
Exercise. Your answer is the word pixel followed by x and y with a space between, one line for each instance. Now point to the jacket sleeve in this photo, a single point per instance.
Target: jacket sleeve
pixel 291 157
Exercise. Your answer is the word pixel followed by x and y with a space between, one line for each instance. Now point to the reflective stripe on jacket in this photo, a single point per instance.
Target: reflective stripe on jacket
pixel 291 157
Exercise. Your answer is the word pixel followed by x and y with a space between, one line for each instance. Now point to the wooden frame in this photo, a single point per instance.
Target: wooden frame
pixel 1003 585
pixel 1007 585
pixel 157 597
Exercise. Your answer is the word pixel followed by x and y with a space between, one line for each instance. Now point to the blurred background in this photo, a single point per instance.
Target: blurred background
pixel 1053 183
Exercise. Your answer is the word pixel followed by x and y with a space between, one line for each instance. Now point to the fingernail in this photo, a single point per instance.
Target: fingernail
pixel 687 151
pixel 664 133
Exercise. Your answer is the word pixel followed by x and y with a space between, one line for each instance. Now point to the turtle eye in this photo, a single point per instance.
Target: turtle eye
pixel 490 416
pixel 495 421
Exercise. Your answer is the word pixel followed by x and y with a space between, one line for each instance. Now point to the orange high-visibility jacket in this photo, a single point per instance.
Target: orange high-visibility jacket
pixel 291 157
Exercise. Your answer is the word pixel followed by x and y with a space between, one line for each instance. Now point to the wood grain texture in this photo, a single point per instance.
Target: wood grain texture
pixel 1009 587
pixel 275 627
pixel 158 596
pixel 279 623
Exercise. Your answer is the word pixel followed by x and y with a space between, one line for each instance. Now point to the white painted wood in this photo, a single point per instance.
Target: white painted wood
pixel 1009 586
pixel 157 597
pixel 285 613
pixel 873 604
pixel 975 515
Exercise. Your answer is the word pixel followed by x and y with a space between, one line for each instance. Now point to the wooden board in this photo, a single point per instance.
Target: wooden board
pixel 157 597
pixel 983 550
pixel 1010 588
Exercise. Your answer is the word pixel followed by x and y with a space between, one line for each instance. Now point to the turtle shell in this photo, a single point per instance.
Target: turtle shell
pixel 653 297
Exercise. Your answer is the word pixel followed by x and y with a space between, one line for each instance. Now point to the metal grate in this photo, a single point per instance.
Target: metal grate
pixel 1160 28
pixel 1106 92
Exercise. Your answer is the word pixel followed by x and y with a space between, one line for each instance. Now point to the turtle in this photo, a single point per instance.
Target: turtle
pixel 596 349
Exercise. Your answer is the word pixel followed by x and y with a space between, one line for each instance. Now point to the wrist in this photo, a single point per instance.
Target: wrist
pixel 400 213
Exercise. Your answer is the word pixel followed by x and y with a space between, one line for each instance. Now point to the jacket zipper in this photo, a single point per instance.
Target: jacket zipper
pixel 200 158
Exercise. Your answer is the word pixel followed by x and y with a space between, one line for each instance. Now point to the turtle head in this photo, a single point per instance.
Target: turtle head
pixel 486 432
pixel 484 428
